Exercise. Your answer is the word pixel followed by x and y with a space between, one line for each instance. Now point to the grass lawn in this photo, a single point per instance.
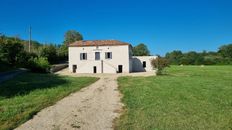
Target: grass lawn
pixel 188 98
pixel 26 94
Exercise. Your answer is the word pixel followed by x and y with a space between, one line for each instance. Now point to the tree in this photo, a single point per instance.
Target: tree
pixel 9 50
pixel 189 58
pixel 140 50
pixel 226 51
pixel 62 52
pixel 72 36
pixel 49 51
pixel 174 57
pixel 159 63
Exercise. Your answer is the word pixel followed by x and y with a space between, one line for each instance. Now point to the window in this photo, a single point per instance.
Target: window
pixel 108 55
pixel 83 56
pixel 144 64
pixel 97 55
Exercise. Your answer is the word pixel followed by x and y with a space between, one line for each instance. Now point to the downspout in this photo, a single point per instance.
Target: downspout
pixel 101 66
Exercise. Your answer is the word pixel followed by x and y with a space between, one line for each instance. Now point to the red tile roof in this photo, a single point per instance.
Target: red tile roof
pixel 97 43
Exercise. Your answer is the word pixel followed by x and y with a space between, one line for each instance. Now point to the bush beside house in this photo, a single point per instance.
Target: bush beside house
pixel 159 64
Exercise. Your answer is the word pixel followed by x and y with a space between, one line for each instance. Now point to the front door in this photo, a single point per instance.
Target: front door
pixel 74 68
pixel 94 69
pixel 120 68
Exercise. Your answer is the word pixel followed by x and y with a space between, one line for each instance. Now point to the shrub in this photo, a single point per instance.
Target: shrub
pixel 49 52
pixel 39 64
pixel 159 63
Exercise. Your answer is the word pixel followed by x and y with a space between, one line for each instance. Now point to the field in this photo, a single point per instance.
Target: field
pixel 25 95
pixel 187 98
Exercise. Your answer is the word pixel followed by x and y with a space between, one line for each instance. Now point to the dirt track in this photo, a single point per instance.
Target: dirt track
pixel 92 108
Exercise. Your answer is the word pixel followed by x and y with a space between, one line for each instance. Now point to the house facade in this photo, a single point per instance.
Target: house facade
pixel 105 56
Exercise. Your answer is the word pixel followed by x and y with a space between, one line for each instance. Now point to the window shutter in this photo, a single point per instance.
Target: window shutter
pixel 81 57
pixel 86 56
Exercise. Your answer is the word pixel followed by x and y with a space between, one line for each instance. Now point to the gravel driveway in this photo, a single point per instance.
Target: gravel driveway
pixel 92 108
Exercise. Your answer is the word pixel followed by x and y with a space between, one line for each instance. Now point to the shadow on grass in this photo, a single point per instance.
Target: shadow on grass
pixel 25 83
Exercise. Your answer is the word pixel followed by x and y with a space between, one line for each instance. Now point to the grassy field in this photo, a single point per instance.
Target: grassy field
pixel 187 98
pixel 25 95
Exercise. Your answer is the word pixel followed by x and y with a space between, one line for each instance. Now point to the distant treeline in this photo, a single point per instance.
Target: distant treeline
pixel 222 57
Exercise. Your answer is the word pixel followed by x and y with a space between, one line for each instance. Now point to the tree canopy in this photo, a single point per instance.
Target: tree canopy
pixel 226 51
pixel 50 53
pixel 141 50
pixel 174 56
pixel 72 36
pixel 10 50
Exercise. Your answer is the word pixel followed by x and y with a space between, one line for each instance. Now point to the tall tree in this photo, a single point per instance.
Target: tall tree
pixel 141 50
pixel 72 36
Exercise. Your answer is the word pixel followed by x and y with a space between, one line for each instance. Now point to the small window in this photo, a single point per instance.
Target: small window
pixel 108 55
pixel 83 56
pixel 144 64
pixel 97 55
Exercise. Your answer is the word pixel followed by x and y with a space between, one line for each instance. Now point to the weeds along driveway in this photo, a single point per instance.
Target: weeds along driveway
pixel 92 108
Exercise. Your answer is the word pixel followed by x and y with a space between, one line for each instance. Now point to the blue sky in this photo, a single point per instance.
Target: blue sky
pixel 163 25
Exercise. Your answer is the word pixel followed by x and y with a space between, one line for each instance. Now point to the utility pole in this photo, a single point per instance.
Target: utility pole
pixel 29 39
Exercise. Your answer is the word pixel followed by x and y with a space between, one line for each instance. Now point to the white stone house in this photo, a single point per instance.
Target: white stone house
pixel 106 56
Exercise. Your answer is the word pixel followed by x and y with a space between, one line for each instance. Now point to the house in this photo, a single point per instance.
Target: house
pixel 106 56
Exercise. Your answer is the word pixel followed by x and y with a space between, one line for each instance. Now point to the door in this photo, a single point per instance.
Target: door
pixel 120 68
pixel 74 68
pixel 94 69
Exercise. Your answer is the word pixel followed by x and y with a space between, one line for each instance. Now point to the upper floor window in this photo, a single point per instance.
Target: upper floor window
pixel 97 55
pixel 108 55
pixel 83 56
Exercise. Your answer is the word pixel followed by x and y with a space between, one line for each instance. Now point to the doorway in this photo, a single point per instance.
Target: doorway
pixel 120 68
pixel 94 69
pixel 74 68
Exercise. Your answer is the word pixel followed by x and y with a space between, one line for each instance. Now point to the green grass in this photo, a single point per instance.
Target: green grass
pixel 188 98
pixel 25 95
